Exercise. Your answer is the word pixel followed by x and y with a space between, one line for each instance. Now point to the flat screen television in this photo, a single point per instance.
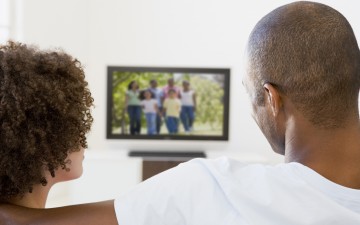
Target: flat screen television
pixel 168 103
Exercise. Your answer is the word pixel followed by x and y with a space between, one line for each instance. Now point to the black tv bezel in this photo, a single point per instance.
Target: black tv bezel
pixel 225 71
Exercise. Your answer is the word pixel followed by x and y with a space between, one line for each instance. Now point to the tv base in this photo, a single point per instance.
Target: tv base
pixel 166 155
pixel 155 162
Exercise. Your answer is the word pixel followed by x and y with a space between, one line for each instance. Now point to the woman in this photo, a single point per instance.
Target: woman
pixel 44 116
pixel 133 106
pixel 188 107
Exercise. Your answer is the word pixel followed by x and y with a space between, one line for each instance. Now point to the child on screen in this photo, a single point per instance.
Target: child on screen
pixel 150 109
pixel 171 109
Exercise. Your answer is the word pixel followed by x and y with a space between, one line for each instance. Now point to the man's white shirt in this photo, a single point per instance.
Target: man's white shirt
pixel 227 192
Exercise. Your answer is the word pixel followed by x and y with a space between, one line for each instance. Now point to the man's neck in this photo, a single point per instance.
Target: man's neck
pixel 335 153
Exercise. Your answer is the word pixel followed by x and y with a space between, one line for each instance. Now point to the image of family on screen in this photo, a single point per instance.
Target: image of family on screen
pixel 170 105
pixel 165 103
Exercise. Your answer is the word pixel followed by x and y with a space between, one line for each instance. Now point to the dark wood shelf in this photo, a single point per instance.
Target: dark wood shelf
pixel 159 161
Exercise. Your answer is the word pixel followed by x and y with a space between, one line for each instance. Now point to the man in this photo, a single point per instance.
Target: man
pixel 158 96
pixel 170 86
pixel 303 78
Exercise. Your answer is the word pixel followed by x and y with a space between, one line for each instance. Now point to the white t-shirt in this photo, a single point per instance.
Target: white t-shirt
pixel 228 192
pixel 187 98
pixel 149 105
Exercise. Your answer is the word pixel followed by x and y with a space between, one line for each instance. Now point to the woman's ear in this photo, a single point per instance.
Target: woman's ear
pixel 273 98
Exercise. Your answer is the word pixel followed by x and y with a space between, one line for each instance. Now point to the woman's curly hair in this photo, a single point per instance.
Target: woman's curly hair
pixel 44 115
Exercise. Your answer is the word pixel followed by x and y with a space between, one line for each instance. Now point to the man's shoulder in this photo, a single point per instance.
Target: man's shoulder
pixel 253 192
pixel 231 167
pixel 226 164
pixel 227 183
pixel 237 177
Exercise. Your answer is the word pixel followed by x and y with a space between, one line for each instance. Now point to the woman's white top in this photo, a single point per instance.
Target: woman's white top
pixel 187 98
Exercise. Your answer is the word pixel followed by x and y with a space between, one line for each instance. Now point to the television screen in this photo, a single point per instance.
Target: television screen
pixel 168 103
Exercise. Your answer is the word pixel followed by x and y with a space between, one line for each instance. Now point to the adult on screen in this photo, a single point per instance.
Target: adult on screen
pixel 157 92
pixel 303 79
pixel 133 106
pixel 188 106
pixel 170 86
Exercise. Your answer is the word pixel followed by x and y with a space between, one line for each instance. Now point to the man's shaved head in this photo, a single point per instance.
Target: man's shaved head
pixel 308 51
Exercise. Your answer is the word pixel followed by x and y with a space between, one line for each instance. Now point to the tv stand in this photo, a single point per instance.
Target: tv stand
pixel 159 161
pixel 167 154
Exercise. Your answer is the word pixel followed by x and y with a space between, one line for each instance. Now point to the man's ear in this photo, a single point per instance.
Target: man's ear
pixel 273 97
